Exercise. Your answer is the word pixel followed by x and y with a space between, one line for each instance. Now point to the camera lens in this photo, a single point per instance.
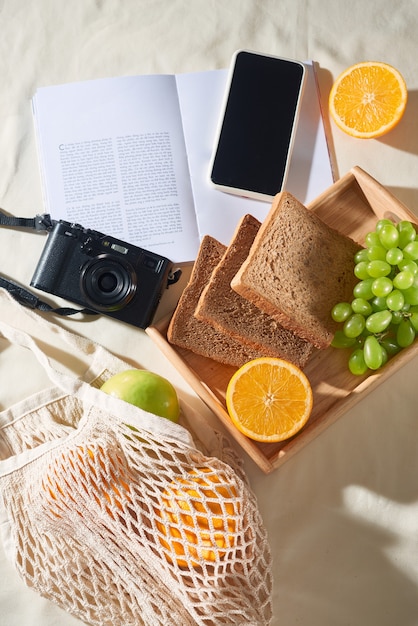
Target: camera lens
pixel 108 284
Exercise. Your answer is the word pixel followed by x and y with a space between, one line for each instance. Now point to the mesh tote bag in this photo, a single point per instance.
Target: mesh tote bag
pixel 120 517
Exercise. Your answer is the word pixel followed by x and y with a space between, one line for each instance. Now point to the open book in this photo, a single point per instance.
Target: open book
pixel 129 157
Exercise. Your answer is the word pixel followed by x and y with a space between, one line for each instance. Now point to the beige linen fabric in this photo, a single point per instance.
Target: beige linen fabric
pixel 342 515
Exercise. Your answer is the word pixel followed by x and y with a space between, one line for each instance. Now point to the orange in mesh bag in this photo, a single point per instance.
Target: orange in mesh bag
pixel 199 516
pixel 118 516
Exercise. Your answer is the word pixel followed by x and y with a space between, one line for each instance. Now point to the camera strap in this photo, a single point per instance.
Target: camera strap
pixel 31 301
pixel 25 297
pixel 39 222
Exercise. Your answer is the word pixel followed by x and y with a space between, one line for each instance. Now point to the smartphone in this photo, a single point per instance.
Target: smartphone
pixel 257 125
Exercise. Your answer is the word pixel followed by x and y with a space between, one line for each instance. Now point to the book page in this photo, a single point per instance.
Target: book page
pixel 113 159
pixel 201 95
pixel 130 157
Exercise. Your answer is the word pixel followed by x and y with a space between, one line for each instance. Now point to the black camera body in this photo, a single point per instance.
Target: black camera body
pixel 102 274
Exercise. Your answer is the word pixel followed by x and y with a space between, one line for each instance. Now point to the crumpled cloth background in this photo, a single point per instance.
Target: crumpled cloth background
pixel 342 515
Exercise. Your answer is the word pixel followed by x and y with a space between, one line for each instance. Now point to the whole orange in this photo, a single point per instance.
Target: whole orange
pixel 198 518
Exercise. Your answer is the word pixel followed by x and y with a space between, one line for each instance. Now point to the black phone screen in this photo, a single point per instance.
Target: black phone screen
pixel 259 118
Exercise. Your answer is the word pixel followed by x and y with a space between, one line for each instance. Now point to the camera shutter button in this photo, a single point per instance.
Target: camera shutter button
pixel 86 246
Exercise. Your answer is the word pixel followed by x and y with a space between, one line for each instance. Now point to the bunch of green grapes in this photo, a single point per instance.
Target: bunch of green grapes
pixel 382 318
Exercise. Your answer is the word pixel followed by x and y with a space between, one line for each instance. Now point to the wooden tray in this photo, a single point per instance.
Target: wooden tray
pixel 352 205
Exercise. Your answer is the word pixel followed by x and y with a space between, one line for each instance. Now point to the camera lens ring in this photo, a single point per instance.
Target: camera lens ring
pixel 107 283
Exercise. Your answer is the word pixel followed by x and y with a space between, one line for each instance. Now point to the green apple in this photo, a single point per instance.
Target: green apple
pixel 147 390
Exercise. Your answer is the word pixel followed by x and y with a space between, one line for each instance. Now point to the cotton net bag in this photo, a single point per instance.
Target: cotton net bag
pixel 120 517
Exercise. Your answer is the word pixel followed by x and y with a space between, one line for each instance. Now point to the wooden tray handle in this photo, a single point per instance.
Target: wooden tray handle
pixel 380 198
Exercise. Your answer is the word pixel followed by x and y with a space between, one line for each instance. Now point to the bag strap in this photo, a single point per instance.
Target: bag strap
pixel 22 326
pixel 95 354
pixel 23 317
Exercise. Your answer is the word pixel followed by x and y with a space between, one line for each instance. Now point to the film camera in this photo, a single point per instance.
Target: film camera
pixel 103 274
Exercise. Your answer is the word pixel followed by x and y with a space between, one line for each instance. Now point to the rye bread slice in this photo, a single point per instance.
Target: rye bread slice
pixel 297 269
pixel 186 331
pixel 229 312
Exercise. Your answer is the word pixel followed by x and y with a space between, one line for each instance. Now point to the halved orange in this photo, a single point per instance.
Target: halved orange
pixel 368 99
pixel 269 399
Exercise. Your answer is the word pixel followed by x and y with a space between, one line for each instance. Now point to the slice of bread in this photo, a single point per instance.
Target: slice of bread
pixel 186 331
pixel 229 312
pixel 297 269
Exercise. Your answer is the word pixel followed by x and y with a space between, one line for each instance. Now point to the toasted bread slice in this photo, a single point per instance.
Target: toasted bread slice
pixel 297 269
pixel 186 331
pixel 229 312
